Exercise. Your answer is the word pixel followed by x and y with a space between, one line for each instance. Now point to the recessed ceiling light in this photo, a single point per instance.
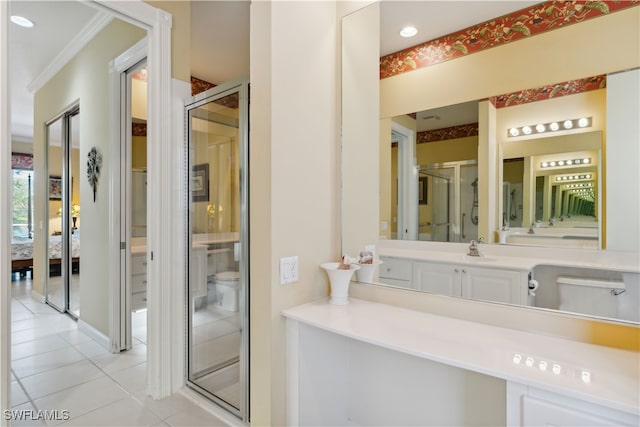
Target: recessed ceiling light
pixel 22 21
pixel 408 31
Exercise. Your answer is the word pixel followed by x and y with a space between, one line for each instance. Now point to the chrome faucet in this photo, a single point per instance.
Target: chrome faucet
pixel 473 249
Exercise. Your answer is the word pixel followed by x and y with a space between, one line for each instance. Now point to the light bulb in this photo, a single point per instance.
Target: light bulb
pixel 554 126
pixel 540 128
pixel 583 122
pixel 526 130
pixel 568 124
pixel 514 132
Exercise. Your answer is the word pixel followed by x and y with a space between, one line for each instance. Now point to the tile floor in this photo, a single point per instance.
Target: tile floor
pixel 55 367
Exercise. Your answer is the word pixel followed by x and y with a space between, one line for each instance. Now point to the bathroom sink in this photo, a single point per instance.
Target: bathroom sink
pixel 478 259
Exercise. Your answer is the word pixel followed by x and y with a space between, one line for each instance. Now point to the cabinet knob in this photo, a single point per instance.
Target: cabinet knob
pixel 144 262
pixel 144 282
pixel 456 270
pixel 464 270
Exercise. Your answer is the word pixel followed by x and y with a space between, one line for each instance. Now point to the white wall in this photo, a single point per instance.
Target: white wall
pixel 622 161
pixel 294 179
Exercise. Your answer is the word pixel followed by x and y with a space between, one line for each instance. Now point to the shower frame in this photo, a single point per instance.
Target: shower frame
pixel 455 230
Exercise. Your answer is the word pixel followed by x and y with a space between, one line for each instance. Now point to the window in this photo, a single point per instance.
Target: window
pixel 22 204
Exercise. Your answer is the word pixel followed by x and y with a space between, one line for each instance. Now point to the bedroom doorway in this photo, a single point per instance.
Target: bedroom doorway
pixel 63 212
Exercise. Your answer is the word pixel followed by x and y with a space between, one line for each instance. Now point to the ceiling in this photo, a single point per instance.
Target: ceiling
pixel 219 38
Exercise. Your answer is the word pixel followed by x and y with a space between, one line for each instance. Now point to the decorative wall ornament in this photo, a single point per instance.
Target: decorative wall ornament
pixel 94 165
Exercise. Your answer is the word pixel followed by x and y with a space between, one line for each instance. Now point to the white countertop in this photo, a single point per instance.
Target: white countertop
pixel 208 238
pixel 490 350
pixel 510 257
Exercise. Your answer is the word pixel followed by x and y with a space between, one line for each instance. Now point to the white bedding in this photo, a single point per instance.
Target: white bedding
pixel 23 249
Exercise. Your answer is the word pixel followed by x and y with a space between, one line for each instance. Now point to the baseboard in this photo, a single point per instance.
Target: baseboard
pixel 37 296
pixel 94 334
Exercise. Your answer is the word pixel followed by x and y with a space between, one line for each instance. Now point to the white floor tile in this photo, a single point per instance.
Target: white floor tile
pixel 195 417
pixel 38 346
pixel 45 361
pixel 124 412
pixel 126 359
pixel 166 407
pixel 83 398
pixel 91 349
pixel 133 379
pixel 25 415
pixel 59 379
pixel 18 396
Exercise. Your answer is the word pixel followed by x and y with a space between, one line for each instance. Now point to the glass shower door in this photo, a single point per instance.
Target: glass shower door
pixel 217 294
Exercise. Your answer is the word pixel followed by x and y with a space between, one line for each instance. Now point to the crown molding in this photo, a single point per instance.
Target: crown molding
pixel 97 24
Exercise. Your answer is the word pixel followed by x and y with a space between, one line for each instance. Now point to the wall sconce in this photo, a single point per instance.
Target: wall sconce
pixel 583 122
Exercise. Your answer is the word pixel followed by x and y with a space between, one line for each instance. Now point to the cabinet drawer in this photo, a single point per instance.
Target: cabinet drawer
pixel 139 263
pixel 138 301
pixel 138 282
pixel 394 268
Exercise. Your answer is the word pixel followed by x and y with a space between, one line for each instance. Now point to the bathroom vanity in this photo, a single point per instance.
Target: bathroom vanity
pixel 367 363
pixel 601 284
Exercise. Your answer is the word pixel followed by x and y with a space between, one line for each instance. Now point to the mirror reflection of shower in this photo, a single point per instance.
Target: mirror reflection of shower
pixel 448 210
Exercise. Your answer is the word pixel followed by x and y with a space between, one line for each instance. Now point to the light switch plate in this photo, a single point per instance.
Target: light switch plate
pixel 288 270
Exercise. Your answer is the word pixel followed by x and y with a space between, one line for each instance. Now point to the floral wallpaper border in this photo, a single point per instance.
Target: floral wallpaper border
pixel 444 134
pixel 524 23
pixel 549 91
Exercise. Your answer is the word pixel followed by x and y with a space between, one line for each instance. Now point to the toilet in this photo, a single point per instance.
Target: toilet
pixel 590 296
pixel 227 290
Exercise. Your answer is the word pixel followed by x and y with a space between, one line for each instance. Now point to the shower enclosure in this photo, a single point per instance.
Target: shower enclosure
pixel 217 238
pixel 450 211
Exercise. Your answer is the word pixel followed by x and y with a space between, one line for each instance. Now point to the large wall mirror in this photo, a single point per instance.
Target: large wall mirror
pixel 479 157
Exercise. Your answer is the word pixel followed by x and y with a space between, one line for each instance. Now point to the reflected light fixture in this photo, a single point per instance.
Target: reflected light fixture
pixel 569 162
pixel 409 31
pixel 22 21
pixel 582 122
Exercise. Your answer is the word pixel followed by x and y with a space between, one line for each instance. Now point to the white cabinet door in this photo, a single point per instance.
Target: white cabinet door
pixel 530 406
pixel 437 278
pixel 537 412
pixel 492 285
pixel 396 272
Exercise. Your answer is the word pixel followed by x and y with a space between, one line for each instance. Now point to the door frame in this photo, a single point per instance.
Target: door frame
pixel 163 243
pixel 165 326
pixel 120 246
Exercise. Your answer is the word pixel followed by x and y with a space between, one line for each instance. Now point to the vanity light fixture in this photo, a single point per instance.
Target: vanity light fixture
pixel 22 21
pixel 573 177
pixel 409 31
pixel 582 122
pixel 567 162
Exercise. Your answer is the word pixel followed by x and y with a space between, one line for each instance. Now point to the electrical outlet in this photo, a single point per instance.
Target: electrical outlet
pixel 288 270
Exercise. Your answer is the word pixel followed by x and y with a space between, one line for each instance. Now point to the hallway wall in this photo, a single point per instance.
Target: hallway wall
pixel 85 78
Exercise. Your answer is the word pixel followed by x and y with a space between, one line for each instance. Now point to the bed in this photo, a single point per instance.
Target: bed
pixel 22 254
